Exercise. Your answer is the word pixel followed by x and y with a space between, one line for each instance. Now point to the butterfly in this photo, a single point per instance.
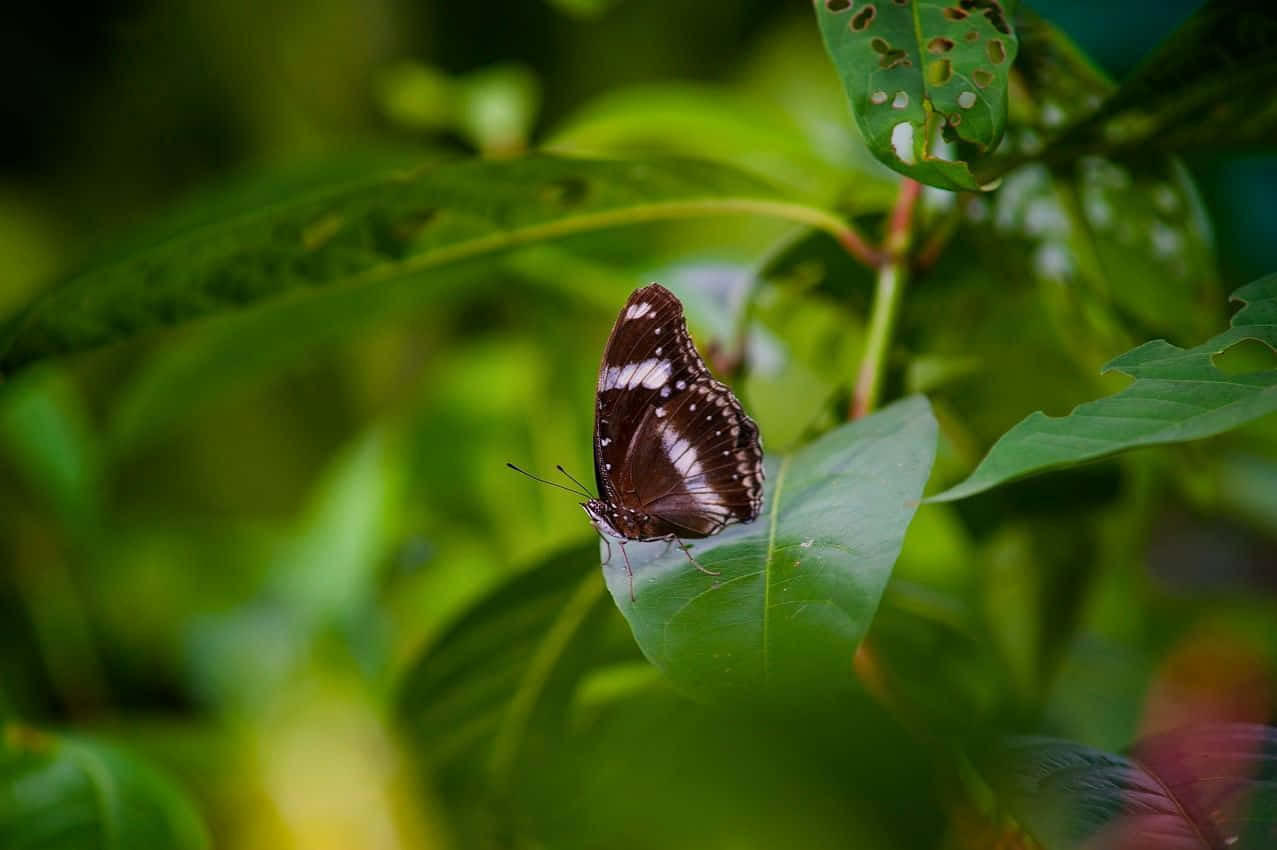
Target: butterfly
pixel 675 455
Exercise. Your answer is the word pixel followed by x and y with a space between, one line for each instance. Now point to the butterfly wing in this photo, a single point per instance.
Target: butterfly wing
pixel 670 441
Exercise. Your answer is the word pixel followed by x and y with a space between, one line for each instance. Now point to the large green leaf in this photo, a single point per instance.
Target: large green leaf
pixel 1203 788
pixel 917 71
pixel 800 584
pixel 1179 394
pixel 753 134
pixel 388 228
pixel 1207 85
pixel 64 792
pixel 476 690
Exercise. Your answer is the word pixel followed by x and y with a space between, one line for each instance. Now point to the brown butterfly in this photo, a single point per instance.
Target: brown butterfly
pixel 675 455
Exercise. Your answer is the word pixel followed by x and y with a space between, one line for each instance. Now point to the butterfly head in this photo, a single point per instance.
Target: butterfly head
pixel 608 519
pixel 602 517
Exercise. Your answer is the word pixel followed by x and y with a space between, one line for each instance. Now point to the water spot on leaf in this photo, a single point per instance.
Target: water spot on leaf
pixel 1167 242
pixel 837 5
pixel 1165 199
pixel 997 51
pixel 901 100
pixel 1099 212
pixel 1245 357
pixel 967 99
pixel 939 45
pixel 1052 261
pixel 939 72
pixel 1052 115
pixel 981 77
pixel 862 19
pixel 569 191
pixel 878 98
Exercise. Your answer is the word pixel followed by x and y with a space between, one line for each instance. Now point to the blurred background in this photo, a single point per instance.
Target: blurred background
pixel 246 548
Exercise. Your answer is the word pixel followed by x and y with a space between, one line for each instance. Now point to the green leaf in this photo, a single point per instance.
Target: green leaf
pixel 800 584
pixel 1205 86
pixel 1199 788
pixel 391 228
pixel 755 135
pixel 1179 394
pixel 918 71
pixel 68 792
pixel 480 684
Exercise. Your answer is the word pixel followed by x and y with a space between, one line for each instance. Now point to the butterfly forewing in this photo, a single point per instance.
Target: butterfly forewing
pixel 671 443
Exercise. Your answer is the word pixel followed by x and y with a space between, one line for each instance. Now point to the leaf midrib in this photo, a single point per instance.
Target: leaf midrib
pixel 767 565
pixel 540 667
pixel 101 781
pixel 1179 807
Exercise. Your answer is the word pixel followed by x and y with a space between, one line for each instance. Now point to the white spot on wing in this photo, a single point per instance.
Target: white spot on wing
pixel 681 454
pixel 650 373
pixel 639 310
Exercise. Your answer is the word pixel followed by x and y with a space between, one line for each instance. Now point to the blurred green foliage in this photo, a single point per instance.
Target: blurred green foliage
pixel 265 544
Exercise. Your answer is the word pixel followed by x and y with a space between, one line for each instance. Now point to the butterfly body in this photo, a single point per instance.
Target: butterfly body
pixel 675 455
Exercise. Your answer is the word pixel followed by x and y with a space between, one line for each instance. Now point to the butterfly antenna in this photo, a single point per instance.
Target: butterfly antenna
pixel 572 478
pixel 544 481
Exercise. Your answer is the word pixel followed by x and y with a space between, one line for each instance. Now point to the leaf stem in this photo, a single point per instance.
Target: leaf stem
pixel 893 274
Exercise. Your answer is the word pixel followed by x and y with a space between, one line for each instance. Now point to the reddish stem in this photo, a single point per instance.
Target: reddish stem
pixel 853 243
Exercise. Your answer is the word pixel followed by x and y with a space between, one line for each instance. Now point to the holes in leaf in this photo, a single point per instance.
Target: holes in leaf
pixel 972 35
pixel 902 142
pixel 992 10
pixel 967 99
pixel 901 2
pixel 997 52
pixel 862 19
pixel 981 77
pixel 878 98
pixel 317 234
pixel 837 5
pixel 393 236
pixel 939 45
pixel 891 56
pixel 955 119
pixel 568 192
pixel 939 72
pixel 900 101
pixel 953 13
pixel 1245 357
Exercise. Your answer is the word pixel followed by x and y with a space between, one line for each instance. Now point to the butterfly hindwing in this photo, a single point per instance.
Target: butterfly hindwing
pixel 671 442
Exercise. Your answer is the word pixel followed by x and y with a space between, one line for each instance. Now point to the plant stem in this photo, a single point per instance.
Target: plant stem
pixel 893 274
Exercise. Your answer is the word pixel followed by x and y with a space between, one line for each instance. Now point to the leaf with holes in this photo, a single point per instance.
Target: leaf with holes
pixel 1201 88
pixel 405 226
pixel 1179 394
pixel 64 792
pixel 1192 789
pixel 927 80
pixel 799 585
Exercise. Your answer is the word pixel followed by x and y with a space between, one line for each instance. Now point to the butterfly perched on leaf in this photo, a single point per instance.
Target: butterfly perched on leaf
pixel 675 455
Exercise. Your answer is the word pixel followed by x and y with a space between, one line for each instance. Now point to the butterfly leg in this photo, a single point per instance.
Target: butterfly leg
pixel 608 559
pixel 629 572
pixel 695 562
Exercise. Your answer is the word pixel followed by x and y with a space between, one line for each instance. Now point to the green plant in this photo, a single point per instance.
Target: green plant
pixel 888 643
